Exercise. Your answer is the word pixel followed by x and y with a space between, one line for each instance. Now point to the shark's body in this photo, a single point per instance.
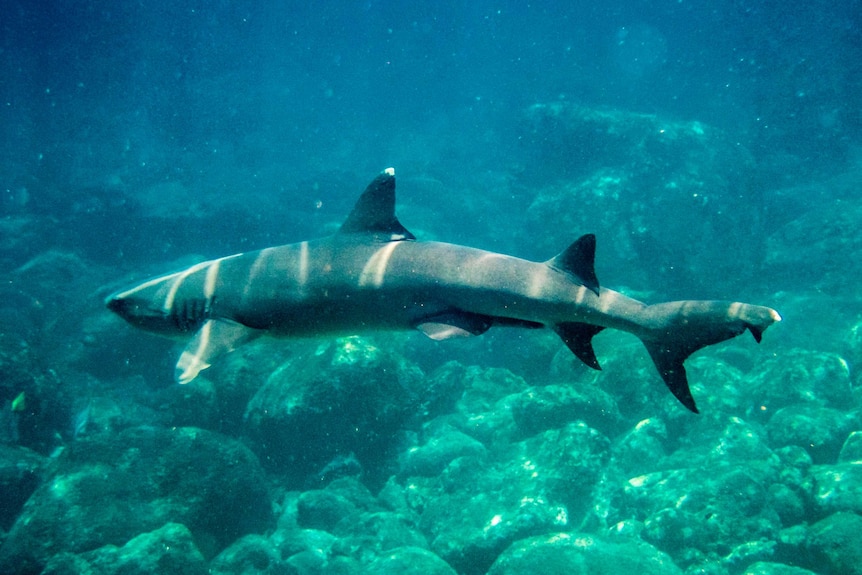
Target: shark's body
pixel 372 275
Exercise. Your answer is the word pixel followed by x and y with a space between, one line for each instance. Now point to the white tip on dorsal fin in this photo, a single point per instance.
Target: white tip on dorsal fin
pixel 374 212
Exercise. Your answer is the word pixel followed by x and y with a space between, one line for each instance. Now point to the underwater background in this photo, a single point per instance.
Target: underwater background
pixel 714 148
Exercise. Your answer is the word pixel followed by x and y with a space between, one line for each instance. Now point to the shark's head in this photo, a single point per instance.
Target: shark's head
pixel 160 306
pixel 139 312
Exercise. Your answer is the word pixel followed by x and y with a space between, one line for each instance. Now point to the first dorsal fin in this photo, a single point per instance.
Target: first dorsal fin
pixel 579 260
pixel 374 212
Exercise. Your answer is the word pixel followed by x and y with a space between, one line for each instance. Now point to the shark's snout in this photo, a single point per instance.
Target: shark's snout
pixel 116 304
pixel 139 313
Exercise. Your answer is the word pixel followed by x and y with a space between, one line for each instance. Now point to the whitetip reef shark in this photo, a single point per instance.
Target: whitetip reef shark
pixel 373 275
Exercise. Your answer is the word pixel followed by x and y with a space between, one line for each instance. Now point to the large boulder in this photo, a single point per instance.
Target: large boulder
pixel 824 237
pixel 251 554
pixel 714 496
pixel 169 550
pixel 21 471
pixel 582 554
pixel 349 397
pixel 835 545
pixel 664 197
pixel 409 561
pixel 770 568
pixel 820 430
pixel 109 489
pixel 478 505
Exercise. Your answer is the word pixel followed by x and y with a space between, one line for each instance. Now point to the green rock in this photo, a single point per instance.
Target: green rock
pixel 321 509
pixel 379 533
pixel 540 408
pixel 823 237
pixel 483 387
pixel 484 410
pixel 442 445
pixel 644 182
pixel 21 471
pixel 409 561
pixel 637 452
pixel 835 545
pixel 576 554
pixel 107 489
pixel 169 550
pixel 852 449
pixel 476 508
pixel 295 541
pixel 767 568
pixel 788 503
pixel 711 497
pixel 837 487
pixel 248 555
pixel 349 397
pixel 819 430
pixel 811 378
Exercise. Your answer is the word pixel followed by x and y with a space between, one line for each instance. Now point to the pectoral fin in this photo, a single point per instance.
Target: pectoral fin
pixel 216 337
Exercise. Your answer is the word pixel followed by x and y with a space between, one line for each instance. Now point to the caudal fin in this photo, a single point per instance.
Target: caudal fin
pixel 687 326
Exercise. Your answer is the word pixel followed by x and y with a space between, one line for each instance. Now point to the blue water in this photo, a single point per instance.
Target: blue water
pixel 713 147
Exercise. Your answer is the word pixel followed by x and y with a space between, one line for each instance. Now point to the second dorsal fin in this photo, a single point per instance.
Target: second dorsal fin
pixel 579 260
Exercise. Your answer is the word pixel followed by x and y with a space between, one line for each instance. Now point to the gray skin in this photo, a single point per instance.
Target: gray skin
pixel 372 275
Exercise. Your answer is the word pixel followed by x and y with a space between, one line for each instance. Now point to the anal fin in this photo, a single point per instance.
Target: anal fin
pixel 215 338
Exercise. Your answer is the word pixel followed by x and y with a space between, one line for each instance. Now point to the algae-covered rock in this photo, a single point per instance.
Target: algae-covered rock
pixel 711 497
pixel 109 489
pixel 835 544
pixel 322 509
pixel 546 407
pixel 305 544
pixel 485 408
pixel 713 513
pixel 350 397
pixel 769 568
pixel 824 236
pixel 21 471
pixel 483 387
pixel 476 508
pixel 708 442
pixel 637 451
pixel 169 550
pixel 852 449
pixel 249 555
pixel 639 181
pixel 819 430
pixel 442 444
pixel 378 533
pixel 803 378
pixel 409 561
pixel 342 502
pixel 582 554
pixel 837 488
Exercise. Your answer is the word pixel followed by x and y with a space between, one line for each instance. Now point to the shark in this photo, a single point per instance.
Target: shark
pixel 373 274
